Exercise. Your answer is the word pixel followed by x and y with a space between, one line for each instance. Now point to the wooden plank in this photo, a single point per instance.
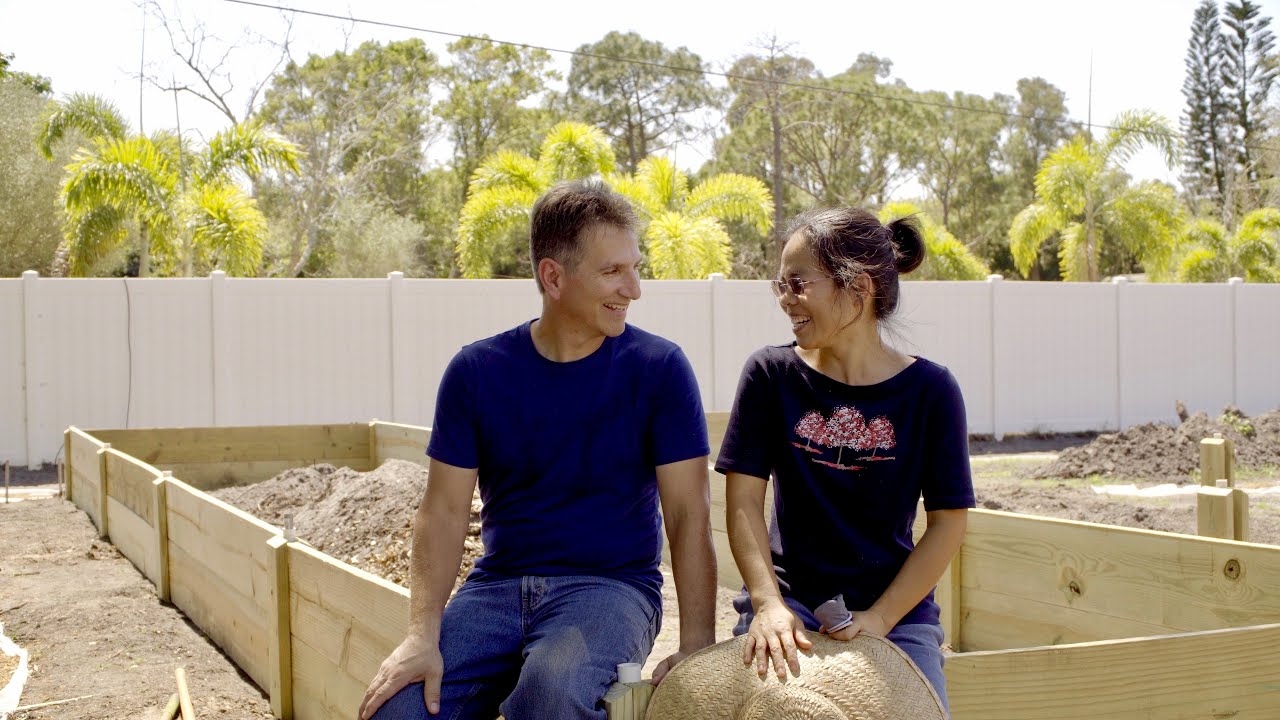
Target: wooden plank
pixel 130 481
pixel 1177 582
pixel 214 476
pixel 321 690
pixel 66 472
pixel 1216 674
pixel 1213 461
pixel 235 623
pixel 135 539
pixel 160 510
pixel 304 444
pixel 82 455
pixel 230 543
pixel 404 442
pixel 993 621
pixel 627 701
pixel 345 641
pixel 280 641
pixel 349 593
pixel 104 492
pixel 1240 516
pixel 1215 512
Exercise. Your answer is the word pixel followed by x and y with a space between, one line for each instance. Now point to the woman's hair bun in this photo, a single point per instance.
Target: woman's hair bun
pixel 908 244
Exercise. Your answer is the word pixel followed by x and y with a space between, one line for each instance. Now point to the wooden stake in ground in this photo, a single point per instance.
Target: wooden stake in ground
pixel 171 708
pixel 184 697
pixel 6 482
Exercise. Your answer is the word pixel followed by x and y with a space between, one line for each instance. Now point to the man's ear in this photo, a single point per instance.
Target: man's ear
pixel 552 275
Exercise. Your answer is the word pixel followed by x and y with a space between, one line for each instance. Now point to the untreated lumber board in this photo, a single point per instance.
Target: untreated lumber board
pixel 129 481
pixel 1213 674
pixel 173 446
pixel 402 442
pixel 1177 582
pixel 134 537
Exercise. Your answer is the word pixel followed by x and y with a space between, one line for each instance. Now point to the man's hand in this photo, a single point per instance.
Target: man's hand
pixel 667 666
pixel 415 660
pixel 776 634
pixel 867 621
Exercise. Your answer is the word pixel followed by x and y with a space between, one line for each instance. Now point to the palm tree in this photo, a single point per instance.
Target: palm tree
pixel 945 257
pixel 1083 195
pixel 1252 252
pixel 186 206
pixel 682 227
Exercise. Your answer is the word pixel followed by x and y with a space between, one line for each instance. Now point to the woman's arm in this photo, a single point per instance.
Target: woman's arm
pixel 919 574
pixel 776 632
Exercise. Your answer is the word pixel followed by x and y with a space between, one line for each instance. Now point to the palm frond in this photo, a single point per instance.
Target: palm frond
pixel 228 229
pixel 485 217
pixel 945 258
pixel 92 235
pixel 684 247
pixel 127 173
pixel 248 147
pixel 91 115
pixel 572 150
pixel 1202 265
pixel 730 196
pixel 1031 227
pixel 508 169
pixel 1136 128
pixel 668 185
pixel 1146 219
pixel 1073 259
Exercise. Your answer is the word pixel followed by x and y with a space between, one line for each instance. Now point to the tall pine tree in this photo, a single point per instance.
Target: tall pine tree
pixel 1205 122
pixel 1248 77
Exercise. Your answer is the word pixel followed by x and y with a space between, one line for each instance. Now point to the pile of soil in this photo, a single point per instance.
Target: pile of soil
pixel 365 519
pixel 1161 452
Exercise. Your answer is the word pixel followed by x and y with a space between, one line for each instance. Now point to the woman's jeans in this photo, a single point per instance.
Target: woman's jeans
pixel 534 647
pixel 921 642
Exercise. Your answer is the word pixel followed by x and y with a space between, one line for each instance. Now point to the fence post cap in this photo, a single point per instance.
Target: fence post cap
pixel 995 277
pixel 1235 281
pixel 395 275
pixel 1119 280
pixel 30 274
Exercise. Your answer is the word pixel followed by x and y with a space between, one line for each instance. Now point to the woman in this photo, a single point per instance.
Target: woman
pixel 853 433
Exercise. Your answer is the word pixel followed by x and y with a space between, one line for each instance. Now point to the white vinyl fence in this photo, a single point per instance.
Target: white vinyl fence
pixel 219 351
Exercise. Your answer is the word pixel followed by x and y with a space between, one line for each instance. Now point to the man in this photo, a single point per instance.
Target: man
pixel 576 426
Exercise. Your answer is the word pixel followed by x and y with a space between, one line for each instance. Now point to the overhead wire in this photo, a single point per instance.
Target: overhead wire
pixel 700 70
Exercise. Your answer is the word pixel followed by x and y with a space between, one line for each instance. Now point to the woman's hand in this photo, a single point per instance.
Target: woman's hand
pixel 776 634
pixel 864 621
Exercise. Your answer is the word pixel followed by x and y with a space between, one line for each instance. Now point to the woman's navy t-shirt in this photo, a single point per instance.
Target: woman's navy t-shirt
pixel 849 464
pixel 568 452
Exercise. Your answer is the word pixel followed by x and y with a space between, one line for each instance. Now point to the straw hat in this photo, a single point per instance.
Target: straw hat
pixel 866 678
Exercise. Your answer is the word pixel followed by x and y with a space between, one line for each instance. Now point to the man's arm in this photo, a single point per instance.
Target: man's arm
pixel 686 506
pixel 439 529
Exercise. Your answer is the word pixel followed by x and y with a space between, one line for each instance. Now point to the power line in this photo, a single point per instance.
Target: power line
pixel 699 70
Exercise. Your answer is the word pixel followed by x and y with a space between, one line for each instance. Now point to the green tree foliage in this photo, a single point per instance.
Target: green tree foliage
pixel 363 119
pixel 683 226
pixel 946 258
pixel 504 188
pixel 38 84
pixel 1205 122
pixel 1083 195
pixel 1251 252
pixel 1248 74
pixel 1039 125
pixel 486 84
pixel 961 145
pixel 30 208
pixel 643 107
pixel 188 210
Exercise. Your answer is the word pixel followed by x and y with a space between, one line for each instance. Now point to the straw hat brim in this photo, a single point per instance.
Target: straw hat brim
pixel 866 678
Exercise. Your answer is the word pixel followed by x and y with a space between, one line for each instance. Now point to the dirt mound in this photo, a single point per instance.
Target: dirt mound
pixel 365 519
pixel 1160 452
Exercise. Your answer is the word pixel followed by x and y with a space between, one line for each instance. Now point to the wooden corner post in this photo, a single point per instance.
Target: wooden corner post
pixel 102 490
pixel 279 640
pixel 160 508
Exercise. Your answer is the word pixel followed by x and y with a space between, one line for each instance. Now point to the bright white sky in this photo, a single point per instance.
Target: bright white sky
pixel 975 46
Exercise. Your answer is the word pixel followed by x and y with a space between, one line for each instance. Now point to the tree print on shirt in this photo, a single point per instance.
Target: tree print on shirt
pixel 846 429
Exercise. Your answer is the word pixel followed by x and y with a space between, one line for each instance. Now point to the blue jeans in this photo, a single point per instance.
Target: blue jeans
pixel 921 642
pixel 534 647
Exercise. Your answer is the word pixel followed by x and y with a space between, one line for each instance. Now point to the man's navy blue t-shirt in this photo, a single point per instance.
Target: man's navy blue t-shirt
pixel 567 452
pixel 849 464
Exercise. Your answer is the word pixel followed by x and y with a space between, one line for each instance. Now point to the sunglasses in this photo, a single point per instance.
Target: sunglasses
pixel 793 285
